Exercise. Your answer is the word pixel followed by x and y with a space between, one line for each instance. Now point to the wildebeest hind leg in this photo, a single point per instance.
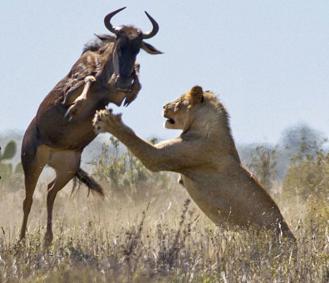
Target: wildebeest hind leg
pixel 66 164
pixel 33 166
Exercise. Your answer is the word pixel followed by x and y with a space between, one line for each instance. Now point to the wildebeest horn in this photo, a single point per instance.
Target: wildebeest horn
pixel 107 20
pixel 155 29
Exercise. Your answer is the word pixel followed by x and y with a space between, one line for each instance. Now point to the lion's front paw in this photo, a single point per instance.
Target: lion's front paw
pixel 106 121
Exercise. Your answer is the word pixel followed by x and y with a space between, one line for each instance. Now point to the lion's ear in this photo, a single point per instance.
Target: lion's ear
pixel 196 95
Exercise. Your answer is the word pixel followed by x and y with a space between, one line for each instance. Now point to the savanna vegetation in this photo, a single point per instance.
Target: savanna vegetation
pixel 147 229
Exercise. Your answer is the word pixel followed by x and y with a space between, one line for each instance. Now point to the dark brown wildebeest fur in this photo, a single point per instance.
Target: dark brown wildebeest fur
pixel 53 139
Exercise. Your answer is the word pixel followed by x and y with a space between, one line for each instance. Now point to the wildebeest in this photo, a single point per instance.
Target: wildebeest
pixel 105 72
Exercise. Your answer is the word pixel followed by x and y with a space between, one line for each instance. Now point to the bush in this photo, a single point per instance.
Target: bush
pixel 263 165
pixel 126 175
pixel 308 179
pixel 10 175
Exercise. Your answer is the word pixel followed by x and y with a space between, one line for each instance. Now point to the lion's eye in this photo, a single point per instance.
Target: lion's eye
pixel 177 106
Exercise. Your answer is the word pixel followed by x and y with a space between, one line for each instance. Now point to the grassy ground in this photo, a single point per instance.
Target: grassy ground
pixel 161 237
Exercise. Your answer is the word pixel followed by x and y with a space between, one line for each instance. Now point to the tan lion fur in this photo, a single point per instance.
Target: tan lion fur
pixel 206 157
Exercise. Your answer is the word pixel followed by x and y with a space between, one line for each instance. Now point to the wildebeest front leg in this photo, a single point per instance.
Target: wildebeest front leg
pixel 80 100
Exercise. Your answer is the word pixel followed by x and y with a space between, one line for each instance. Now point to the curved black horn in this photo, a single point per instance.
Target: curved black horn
pixel 155 29
pixel 107 20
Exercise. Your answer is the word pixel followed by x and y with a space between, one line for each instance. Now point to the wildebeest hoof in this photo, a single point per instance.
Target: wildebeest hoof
pixel 68 115
pixel 74 110
pixel 47 240
pixel 90 79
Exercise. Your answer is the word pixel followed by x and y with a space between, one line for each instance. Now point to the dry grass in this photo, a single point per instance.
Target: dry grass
pixel 163 238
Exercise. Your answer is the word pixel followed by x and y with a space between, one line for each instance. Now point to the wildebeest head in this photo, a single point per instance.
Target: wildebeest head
pixel 128 41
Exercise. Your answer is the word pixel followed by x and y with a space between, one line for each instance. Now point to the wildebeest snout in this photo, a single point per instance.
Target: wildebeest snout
pixel 124 83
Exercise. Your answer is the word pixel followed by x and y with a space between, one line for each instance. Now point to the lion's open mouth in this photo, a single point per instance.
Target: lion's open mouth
pixel 169 120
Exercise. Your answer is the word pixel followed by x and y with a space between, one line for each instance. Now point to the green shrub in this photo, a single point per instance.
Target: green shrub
pixel 125 174
pixel 308 179
pixel 6 167
pixel 263 164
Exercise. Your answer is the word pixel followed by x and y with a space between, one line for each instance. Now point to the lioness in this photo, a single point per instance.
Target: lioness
pixel 206 157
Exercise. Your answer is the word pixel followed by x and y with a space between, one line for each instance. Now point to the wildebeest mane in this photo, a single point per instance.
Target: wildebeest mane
pixel 96 43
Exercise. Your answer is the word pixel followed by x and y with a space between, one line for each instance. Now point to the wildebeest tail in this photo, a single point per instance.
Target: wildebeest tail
pixel 92 185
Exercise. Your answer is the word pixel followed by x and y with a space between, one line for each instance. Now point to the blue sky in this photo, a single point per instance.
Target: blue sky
pixel 267 60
